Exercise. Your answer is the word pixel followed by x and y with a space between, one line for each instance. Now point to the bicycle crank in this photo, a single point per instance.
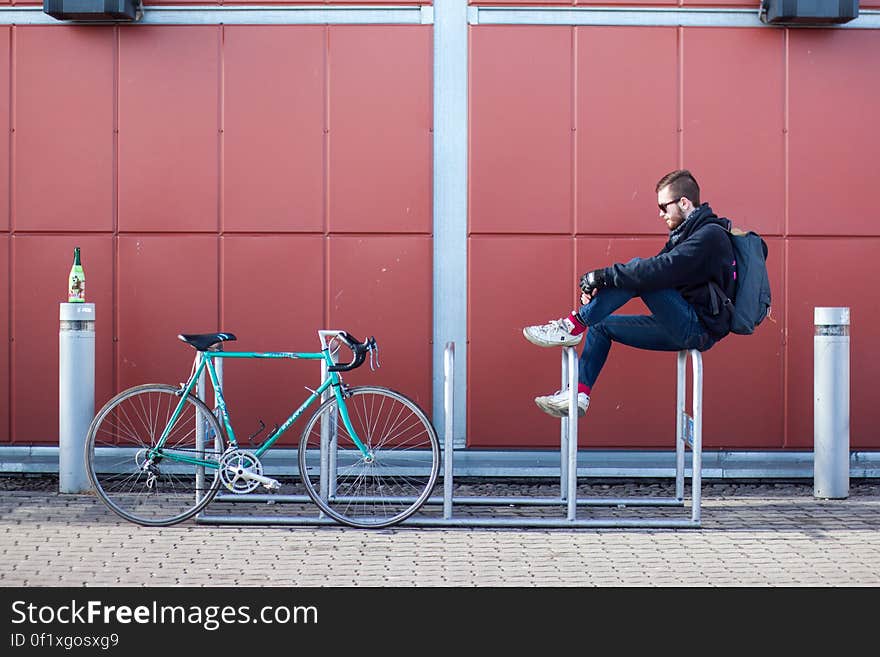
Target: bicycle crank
pixel 241 472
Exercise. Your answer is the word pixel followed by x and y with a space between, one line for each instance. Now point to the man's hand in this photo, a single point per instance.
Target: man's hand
pixel 592 282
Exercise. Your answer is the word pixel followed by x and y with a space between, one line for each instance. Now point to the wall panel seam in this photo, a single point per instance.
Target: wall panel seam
pixel 13 51
pixel 114 222
pixel 221 143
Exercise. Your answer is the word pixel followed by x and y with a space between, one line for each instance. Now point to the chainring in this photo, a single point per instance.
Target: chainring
pixel 233 465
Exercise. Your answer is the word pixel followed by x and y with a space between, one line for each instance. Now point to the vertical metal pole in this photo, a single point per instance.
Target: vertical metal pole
pixel 450 216
pixel 831 403
pixel 572 431
pixel 76 393
pixel 200 435
pixel 680 424
pixel 218 368
pixel 448 414
pixel 697 449
pixel 325 442
pixel 563 436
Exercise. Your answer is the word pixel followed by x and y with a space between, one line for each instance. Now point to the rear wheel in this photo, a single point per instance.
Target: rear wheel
pixel 153 490
pixel 392 481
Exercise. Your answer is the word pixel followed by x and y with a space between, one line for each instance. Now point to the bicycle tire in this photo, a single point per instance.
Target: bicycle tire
pixel 402 473
pixel 115 453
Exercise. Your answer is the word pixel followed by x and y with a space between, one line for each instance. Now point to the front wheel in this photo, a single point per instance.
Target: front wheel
pixel 135 482
pixel 388 484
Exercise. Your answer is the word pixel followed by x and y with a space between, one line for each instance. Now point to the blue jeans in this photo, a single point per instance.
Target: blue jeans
pixel 673 326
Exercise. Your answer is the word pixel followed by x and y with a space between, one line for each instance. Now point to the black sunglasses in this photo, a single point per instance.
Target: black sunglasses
pixel 663 206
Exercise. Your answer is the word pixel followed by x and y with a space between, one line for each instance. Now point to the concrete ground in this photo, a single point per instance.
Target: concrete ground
pixel 752 534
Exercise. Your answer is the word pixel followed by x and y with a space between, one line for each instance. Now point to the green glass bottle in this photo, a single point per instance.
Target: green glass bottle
pixel 76 282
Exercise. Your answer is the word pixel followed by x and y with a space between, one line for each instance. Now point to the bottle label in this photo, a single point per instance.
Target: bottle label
pixel 76 287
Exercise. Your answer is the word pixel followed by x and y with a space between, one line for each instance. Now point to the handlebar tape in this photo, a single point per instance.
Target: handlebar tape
pixel 358 348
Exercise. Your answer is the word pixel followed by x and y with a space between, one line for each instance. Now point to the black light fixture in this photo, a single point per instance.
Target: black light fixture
pixel 796 13
pixel 94 11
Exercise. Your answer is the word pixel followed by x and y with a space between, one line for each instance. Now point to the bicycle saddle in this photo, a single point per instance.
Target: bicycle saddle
pixel 204 341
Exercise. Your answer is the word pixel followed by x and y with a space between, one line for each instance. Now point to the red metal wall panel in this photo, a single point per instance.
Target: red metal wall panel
pixel 272 300
pixel 731 91
pixel 168 128
pixel 835 102
pixel 169 181
pixel 611 3
pixel 751 4
pixel 630 3
pixel 627 120
pixel 520 123
pixel 381 285
pixel 514 3
pixel 5 345
pixel 40 266
pixel 380 129
pixel 733 129
pixel 603 3
pixel 734 138
pixel 4 127
pixel 366 2
pixel 505 372
pixel 160 3
pixel 167 284
pixel 287 2
pixel 63 168
pixel 848 258
pixel 273 128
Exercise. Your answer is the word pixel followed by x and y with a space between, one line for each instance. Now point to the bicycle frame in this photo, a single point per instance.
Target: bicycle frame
pixel 204 362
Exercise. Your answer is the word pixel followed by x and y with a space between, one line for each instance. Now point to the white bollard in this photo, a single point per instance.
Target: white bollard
pixel 831 403
pixel 76 393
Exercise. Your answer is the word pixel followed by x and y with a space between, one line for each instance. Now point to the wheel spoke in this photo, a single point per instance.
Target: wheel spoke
pixel 402 469
pixel 151 491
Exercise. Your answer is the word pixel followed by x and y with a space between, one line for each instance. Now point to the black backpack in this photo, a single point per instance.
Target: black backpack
pixel 751 302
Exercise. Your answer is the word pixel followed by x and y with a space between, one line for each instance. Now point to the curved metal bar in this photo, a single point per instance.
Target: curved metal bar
pixel 448 414
pixel 571 356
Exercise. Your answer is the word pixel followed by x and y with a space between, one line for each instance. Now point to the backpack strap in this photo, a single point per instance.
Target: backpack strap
pixel 717 298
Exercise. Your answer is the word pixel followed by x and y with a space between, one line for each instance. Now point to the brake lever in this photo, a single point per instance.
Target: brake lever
pixel 373 346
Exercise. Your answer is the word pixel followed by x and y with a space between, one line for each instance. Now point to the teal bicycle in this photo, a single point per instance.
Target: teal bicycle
pixel 369 457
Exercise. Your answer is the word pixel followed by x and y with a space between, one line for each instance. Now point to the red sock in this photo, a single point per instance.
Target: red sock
pixel 583 387
pixel 579 326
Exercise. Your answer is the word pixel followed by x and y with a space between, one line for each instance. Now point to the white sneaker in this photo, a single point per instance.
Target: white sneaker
pixel 555 333
pixel 557 403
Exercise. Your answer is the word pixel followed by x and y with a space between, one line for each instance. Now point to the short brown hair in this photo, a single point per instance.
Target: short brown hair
pixel 681 182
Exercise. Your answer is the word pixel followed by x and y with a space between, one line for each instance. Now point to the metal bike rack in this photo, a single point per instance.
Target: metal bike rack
pixel 689 429
pixel 688 433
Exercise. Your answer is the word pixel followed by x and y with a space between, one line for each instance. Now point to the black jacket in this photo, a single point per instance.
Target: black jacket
pixel 703 253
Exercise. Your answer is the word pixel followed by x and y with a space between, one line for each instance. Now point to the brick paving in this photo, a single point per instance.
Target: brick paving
pixel 752 534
